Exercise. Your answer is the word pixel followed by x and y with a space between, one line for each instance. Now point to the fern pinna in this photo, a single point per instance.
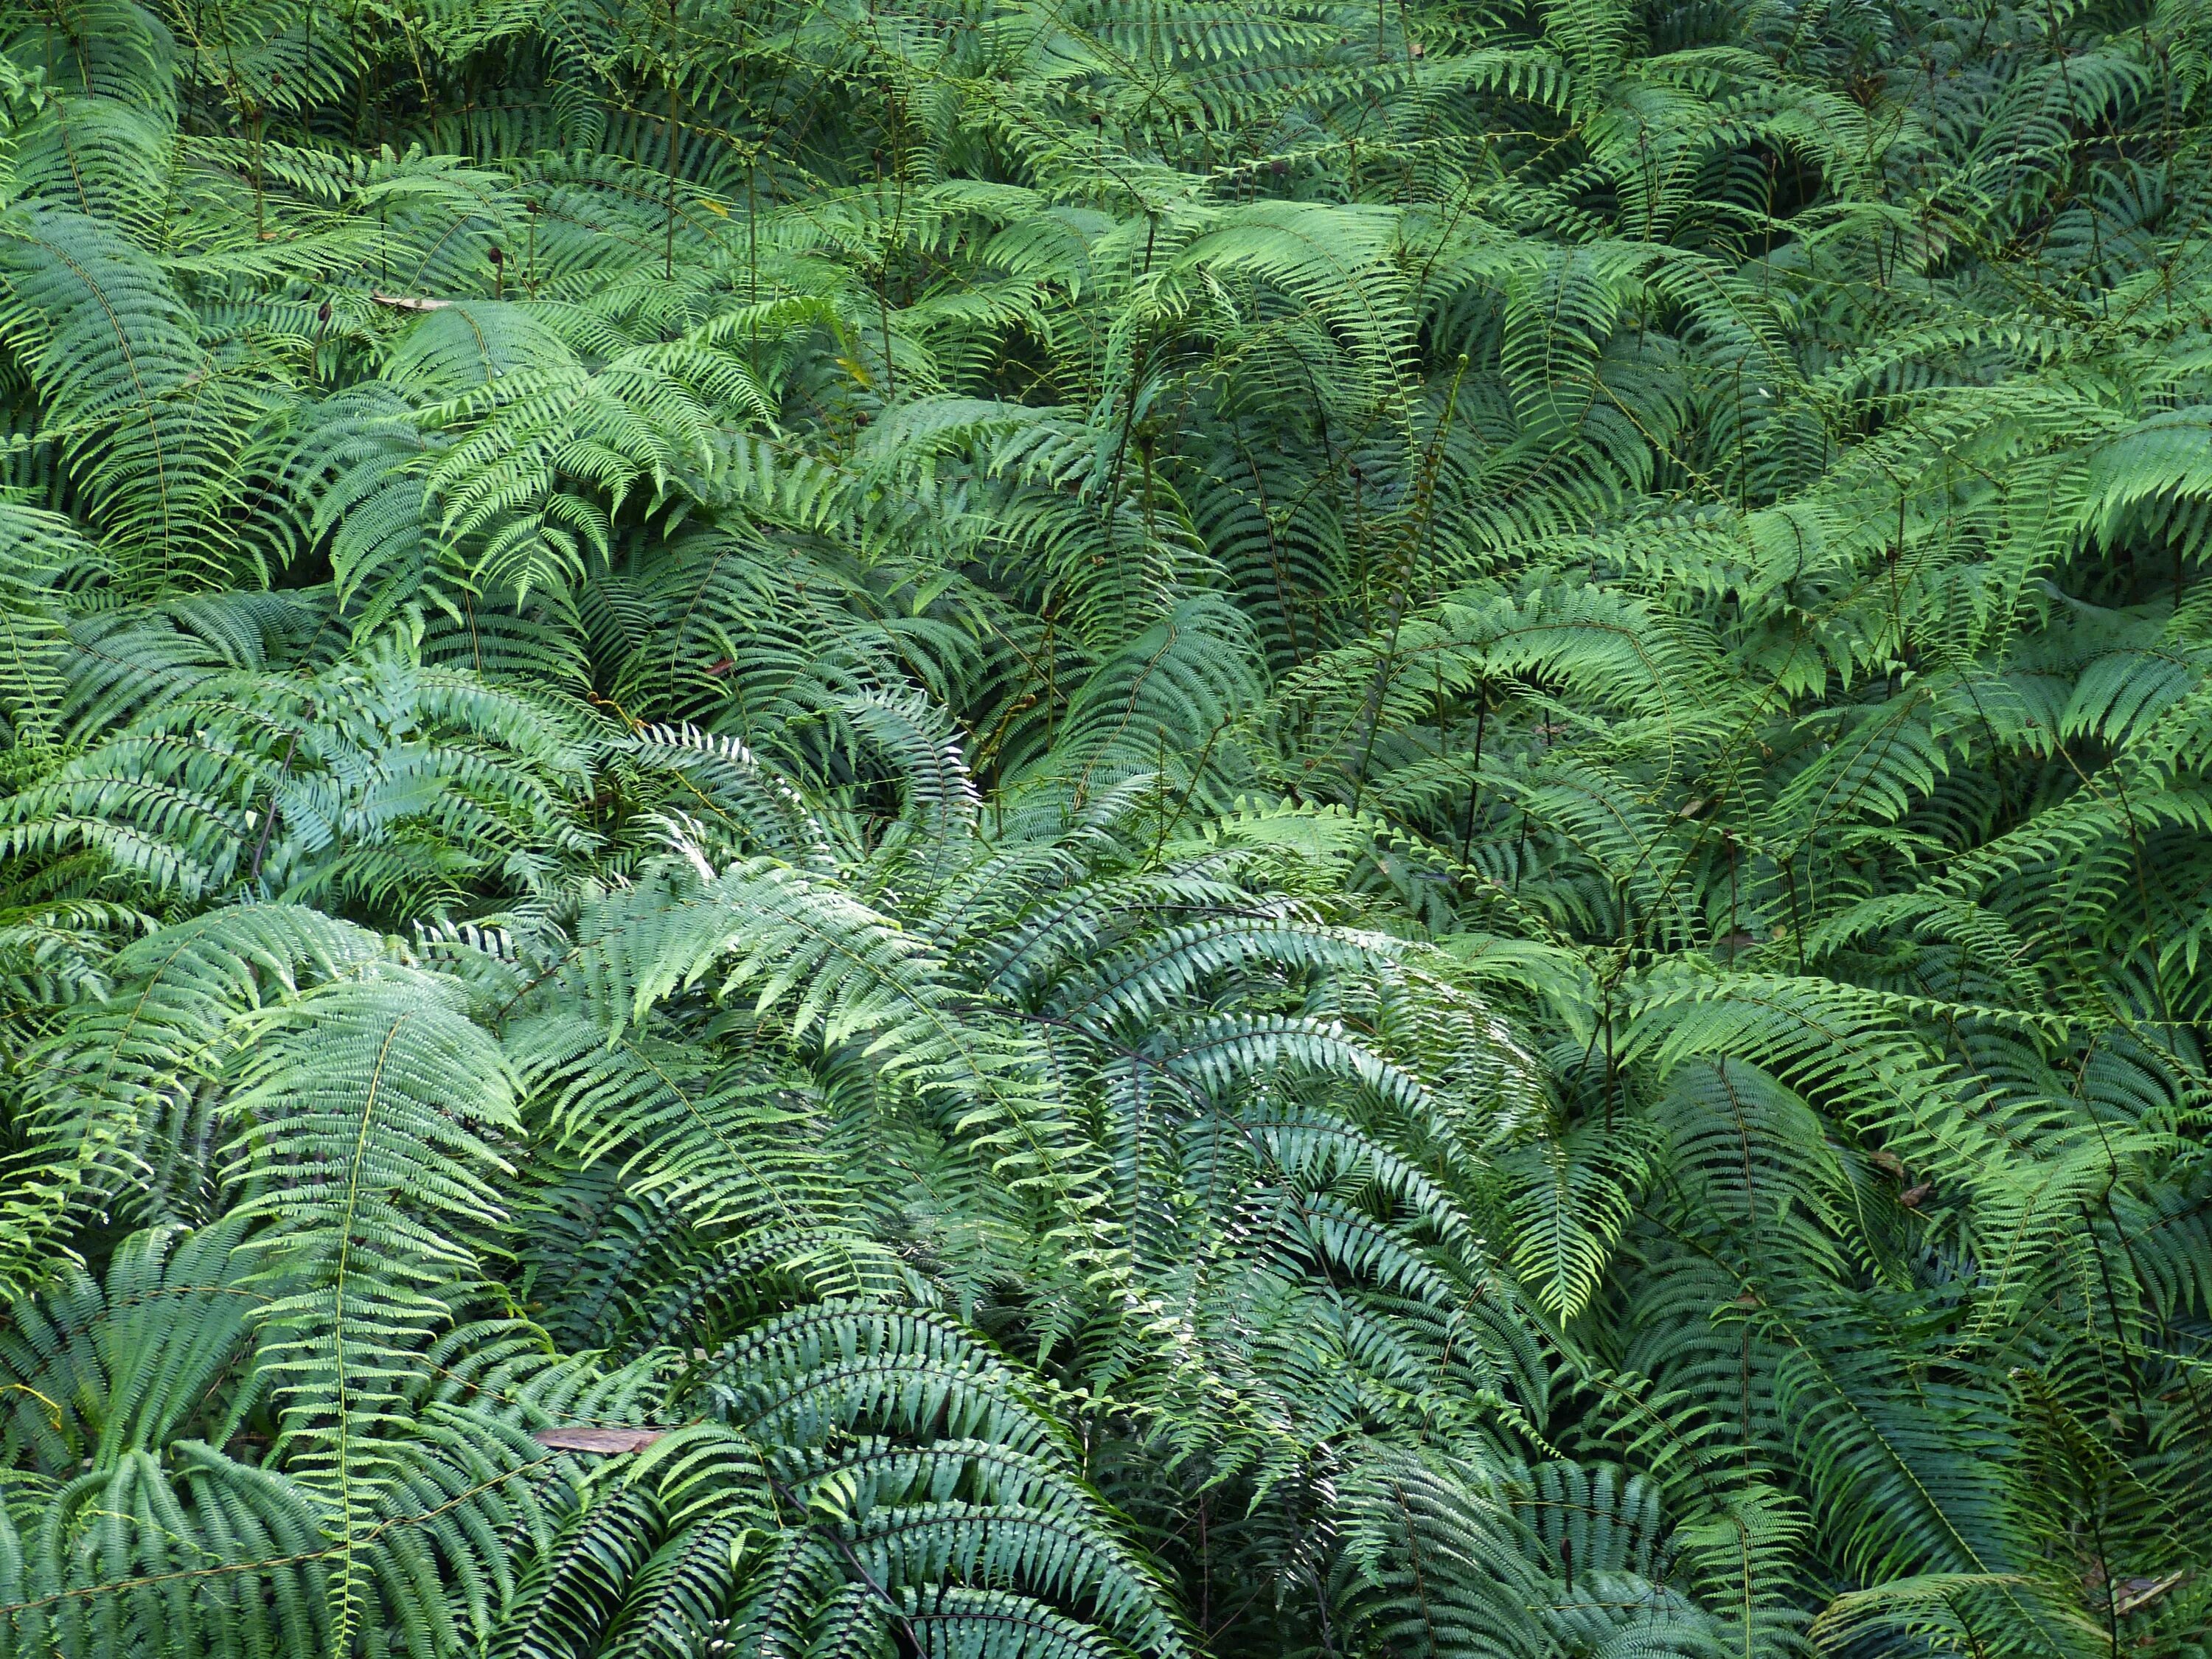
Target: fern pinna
pixel 958 827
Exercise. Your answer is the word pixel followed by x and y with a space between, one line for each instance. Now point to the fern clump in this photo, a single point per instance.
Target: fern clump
pixel 961 830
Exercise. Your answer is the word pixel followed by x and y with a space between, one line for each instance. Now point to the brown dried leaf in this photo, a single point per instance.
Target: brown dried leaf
pixel 597 1440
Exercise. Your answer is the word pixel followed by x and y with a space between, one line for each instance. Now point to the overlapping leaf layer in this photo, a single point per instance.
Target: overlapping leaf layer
pixel 1038 830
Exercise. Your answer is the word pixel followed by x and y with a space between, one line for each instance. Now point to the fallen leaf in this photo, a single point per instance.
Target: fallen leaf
pixel 597 1440
pixel 2134 1593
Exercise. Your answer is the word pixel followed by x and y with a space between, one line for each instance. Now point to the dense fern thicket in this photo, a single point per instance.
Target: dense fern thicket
pixel 1110 828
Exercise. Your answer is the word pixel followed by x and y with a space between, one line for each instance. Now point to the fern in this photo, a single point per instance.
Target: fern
pixel 1114 830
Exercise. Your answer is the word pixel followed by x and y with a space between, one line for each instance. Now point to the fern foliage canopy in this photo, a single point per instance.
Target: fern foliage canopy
pixel 1105 829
